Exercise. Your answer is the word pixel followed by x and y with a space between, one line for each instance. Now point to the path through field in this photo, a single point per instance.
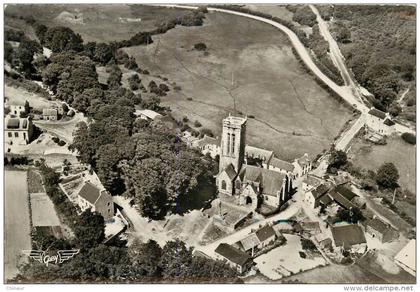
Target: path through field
pixel 17 226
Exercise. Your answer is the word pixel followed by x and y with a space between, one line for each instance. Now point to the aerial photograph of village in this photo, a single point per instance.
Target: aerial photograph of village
pixel 209 144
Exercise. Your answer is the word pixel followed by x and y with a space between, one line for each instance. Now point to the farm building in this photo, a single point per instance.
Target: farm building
pixel 236 258
pixel 349 237
pixel 90 196
pixel 313 196
pixel 406 258
pixel 17 130
pixel 257 240
pixel 147 114
pixel 380 230
pixel 50 114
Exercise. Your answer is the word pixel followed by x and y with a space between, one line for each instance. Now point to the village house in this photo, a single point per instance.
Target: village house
pixel 311 181
pixel 49 114
pixel 380 230
pixel 302 165
pixel 189 139
pixel 209 145
pixel 380 122
pixel 349 237
pixel 406 258
pixel 236 258
pixel 90 196
pixel 17 131
pixel 147 114
pixel 257 240
pixel 16 110
pixel 314 196
pixel 250 184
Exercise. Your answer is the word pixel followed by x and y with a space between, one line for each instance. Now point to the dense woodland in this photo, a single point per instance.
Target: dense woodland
pixel 379 44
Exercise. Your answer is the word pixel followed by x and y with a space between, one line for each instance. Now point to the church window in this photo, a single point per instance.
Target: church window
pixel 228 143
pixel 238 184
pixel 233 143
pixel 223 185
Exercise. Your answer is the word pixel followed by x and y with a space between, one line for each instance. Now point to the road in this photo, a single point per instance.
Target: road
pixel 344 141
pixel 17 224
pixel 336 56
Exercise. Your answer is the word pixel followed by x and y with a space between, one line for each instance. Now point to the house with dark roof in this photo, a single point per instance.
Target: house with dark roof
pixel 90 196
pixel 266 235
pixel 257 240
pixel 17 131
pixel 236 258
pixel 349 237
pixel 380 122
pixel 313 196
pixel 302 165
pixel 380 230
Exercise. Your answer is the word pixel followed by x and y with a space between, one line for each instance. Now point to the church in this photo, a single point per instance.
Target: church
pixel 245 172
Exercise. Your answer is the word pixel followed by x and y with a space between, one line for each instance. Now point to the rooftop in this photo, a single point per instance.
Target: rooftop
pixel 250 242
pixel 90 192
pixel 49 112
pixel 147 113
pixel 271 181
pixel 348 235
pixel 207 140
pixel 407 256
pixel 260 153
pixel 281 164
pixel 266 232
pixel 234 121
pixel 16 123
pixel 312 180
pixel 377 225
pixel 377 113
pixel 389 122
pixel 233 254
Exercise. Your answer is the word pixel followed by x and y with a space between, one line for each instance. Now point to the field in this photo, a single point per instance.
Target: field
pixel 255 73
pixel 18 95
pixel 17 227
pixel 368 156
pixel 100 23
pixel 43 212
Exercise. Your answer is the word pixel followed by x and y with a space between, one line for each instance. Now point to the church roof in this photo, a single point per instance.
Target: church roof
pixel 260 153
pixel 281 164
pixel 271 181
pixel 230 170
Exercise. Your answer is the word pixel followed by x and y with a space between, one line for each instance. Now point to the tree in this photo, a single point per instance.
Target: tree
pixel 353 215
pixel 175 260
pixel 145 259
pixel 90 230
pixel 337 159
pixel 114 79
pixel 27 108
pixel 103 53
pixel 409 138
pixel 61 38
pixel 387 176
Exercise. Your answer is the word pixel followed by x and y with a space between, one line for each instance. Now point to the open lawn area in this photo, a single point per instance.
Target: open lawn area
pixel 100 23
pixel 403 155
pixel 17 226
pixel 249 66
pixel 43 212
pixel 285 260
pixel 18 96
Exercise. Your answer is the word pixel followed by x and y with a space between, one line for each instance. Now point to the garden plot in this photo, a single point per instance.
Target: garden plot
pixel 43 212
pixel 285 260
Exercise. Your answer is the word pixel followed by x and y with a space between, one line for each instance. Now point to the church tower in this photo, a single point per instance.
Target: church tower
pixel 233 143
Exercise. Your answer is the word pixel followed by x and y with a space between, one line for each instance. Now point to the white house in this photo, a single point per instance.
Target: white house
pixel 208 145
pixel 302 165
pixel 147 114
pixel 17 109
pixel 17 130
pixel 406 258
